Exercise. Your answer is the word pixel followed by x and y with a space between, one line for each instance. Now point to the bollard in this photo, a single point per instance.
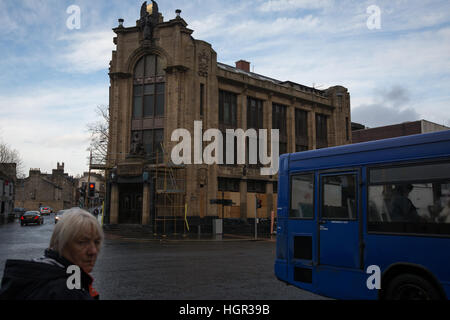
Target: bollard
pixel 272 218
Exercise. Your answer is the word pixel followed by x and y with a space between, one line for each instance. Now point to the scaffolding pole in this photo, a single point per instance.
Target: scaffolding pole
pixel 170 196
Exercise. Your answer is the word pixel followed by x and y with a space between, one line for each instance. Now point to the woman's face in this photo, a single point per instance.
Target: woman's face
pixel 83 250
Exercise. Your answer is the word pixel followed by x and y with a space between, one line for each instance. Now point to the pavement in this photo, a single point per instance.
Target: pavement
pixel 183 237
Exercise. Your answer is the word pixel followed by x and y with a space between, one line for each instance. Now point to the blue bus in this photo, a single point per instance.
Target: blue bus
pixel 367 221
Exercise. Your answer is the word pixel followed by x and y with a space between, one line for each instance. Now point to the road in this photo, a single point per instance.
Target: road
pixel 140 269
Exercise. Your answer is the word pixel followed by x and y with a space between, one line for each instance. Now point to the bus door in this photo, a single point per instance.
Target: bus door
pixel 338 223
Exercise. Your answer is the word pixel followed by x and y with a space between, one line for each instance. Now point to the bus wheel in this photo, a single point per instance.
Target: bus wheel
pixel 411 287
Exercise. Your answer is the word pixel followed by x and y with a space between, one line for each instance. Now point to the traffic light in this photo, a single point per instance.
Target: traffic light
pixel 92 189
pixel 258 203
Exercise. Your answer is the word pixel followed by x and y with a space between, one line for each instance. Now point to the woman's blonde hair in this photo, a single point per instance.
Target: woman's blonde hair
pixel 72 223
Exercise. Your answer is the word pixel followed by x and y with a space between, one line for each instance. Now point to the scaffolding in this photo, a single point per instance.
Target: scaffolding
pixel 169 197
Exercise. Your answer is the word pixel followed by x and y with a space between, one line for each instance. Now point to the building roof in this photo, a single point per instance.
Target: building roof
pixel 395 130
pixel 287 84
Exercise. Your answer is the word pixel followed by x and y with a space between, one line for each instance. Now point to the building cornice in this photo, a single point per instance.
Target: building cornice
pixel 119 75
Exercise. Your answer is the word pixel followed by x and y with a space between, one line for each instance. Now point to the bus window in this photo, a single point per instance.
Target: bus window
pixel 408 206
pixel 339 197
pixel 302 196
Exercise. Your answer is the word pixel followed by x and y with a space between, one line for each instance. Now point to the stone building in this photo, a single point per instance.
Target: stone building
pixel 56 190
pixel 7 190
pixel 162 79
pixel 362 134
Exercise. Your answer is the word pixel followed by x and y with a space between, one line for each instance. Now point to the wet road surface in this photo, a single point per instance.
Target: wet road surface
pixel 132 268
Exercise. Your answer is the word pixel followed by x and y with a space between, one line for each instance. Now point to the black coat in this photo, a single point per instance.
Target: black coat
pixel 43 279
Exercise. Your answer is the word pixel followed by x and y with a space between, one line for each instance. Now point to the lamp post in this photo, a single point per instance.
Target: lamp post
pixel 89 181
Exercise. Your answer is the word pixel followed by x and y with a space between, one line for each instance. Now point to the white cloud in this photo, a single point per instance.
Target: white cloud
pixel 284 5
pixel 52 100
pixel 86 52
pixel 208 26
pixel 48 124
pixel 391 106
pixel 43 143
pixel 379 115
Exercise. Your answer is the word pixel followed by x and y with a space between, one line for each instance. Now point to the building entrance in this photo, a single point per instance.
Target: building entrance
pixel 130 203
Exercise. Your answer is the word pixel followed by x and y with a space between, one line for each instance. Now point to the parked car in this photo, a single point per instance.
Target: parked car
pixel 59 215
pixel 45 210
pixel 18 212
pixel 31 217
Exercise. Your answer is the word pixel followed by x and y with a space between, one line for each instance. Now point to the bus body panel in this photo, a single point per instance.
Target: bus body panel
pixel 343 283
pixel 347 281
pixel 430 253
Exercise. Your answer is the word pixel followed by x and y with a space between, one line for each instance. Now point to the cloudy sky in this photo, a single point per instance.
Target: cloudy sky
pixel 393 56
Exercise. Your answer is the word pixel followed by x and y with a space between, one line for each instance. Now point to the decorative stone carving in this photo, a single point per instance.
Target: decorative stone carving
pixel 136 148
pixel 203 64
pixel 149 19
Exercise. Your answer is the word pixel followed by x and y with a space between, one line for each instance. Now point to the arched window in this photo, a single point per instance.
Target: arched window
pixel 149 87
pixel 148 105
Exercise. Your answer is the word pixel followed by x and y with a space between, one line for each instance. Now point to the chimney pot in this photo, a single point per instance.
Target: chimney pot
pixel 243 65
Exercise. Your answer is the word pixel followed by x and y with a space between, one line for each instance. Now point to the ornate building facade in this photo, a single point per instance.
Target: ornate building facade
pixel 162 79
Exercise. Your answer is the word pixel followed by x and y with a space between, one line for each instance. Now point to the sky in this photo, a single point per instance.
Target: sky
pixel 393 56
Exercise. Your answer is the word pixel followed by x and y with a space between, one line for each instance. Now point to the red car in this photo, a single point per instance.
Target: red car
pixel 45 210
pixel 31 217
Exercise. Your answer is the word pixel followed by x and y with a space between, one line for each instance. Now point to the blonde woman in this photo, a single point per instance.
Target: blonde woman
pixel 63 272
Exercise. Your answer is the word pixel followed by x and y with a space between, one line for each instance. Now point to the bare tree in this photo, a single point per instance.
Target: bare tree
pixel 99 131
pixel 9 155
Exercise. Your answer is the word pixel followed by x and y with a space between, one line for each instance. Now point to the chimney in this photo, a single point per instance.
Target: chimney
pixel 243 65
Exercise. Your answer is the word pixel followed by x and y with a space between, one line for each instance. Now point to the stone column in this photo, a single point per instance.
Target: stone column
pixel 290 115
pixel 243 196
pixel 312 129
pixel 242 123
pixel 146 204
pixel 114 211
pixel 269 197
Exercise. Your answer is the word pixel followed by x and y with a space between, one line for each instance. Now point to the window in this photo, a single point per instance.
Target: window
pixel 202 98
pixel 321 131
pixel 227 151
pixel 149 88
pixel 254 113
pixel 302 196
pixel 301 130
pixel 255 116
pixel 227 109
pixel 228 119
pixel 347 128
pixel 148 103
pixel 412 199
pixel 257 186
pixel 279 122
pixel 339 197
pixel 229 184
